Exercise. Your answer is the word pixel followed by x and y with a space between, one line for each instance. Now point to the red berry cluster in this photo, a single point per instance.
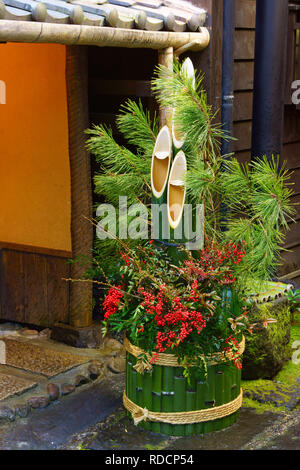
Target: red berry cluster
pixel 216 263
pixel 177 320
pixel 153 304
pixel 183 322
pixel 112 301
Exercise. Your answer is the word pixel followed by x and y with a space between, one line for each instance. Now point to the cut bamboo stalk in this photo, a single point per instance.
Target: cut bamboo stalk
pixel 161 160
pixel 179 401
pixel 189 71
pixel 178 137
pixel 176 190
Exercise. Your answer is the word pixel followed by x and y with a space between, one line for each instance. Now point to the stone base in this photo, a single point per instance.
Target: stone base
pixel 87 337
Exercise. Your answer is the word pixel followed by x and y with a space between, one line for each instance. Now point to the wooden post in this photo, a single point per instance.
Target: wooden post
pixel 210 59
pixel 165 58
pixel 81 199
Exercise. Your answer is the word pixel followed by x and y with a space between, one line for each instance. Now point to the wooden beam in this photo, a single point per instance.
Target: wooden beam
pixel 81 199
pixel 36 32
pixel 35 249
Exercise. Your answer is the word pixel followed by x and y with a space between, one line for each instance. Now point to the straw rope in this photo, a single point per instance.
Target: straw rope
pixel 186 417
pixel 170 359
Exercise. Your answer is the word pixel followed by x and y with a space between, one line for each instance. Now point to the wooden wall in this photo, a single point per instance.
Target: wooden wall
pixel 243 93
pixel 243 77
pixel 32 290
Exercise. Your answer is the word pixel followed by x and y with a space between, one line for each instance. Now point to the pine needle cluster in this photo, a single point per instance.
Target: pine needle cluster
pixel 256 196
pixel 123 171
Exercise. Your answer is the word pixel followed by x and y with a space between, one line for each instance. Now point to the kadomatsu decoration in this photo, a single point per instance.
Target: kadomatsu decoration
pixel 184 317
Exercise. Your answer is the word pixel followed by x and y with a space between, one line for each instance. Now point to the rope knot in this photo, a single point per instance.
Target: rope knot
pixel 140 415
pixel 142 365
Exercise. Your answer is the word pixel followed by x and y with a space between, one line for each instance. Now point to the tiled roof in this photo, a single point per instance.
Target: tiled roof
pixel 151 15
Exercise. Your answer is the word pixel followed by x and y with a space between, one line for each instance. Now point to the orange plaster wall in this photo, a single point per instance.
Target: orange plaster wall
pixel 34 163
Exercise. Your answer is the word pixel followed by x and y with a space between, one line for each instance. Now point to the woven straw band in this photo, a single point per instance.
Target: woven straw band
pixel 171 360
pixel 186 417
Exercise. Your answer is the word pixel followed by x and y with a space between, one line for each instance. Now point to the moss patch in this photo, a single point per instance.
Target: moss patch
pixel 291 372
pixel 267 351
pixel 285 380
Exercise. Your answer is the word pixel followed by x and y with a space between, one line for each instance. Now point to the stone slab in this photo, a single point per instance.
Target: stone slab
pixel 49 428
pixel 117 432
pixel 88 337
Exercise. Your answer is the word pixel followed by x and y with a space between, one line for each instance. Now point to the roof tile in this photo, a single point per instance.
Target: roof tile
pixel 155 15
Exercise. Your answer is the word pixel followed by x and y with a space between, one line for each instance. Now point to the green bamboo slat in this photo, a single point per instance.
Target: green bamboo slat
pixel 210 395
pixel 128 378
pixel 227 392
pixel 147 397
pixel 139 390
pixel 233 390
pixel 179 402
pixel 156 394
pixel 220 392
pixel 133 385
pixel 161 222
pixel 200 403
pixel 167 402
pixel 190 406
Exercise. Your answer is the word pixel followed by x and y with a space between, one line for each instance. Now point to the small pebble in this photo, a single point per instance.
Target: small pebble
pixel 27 332
pixel 6 413
pixel 53 391
pixel 66 389
pixel 117 365
pixel 95 369
pixel 81 380
pixel 22 410
pixel 38 402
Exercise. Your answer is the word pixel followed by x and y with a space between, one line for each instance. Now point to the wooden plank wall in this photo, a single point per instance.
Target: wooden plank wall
pixel 32 290
pixel 243 77
pixel 243 93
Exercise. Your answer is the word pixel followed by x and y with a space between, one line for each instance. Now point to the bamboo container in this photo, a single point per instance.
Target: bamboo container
pixel 167 390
